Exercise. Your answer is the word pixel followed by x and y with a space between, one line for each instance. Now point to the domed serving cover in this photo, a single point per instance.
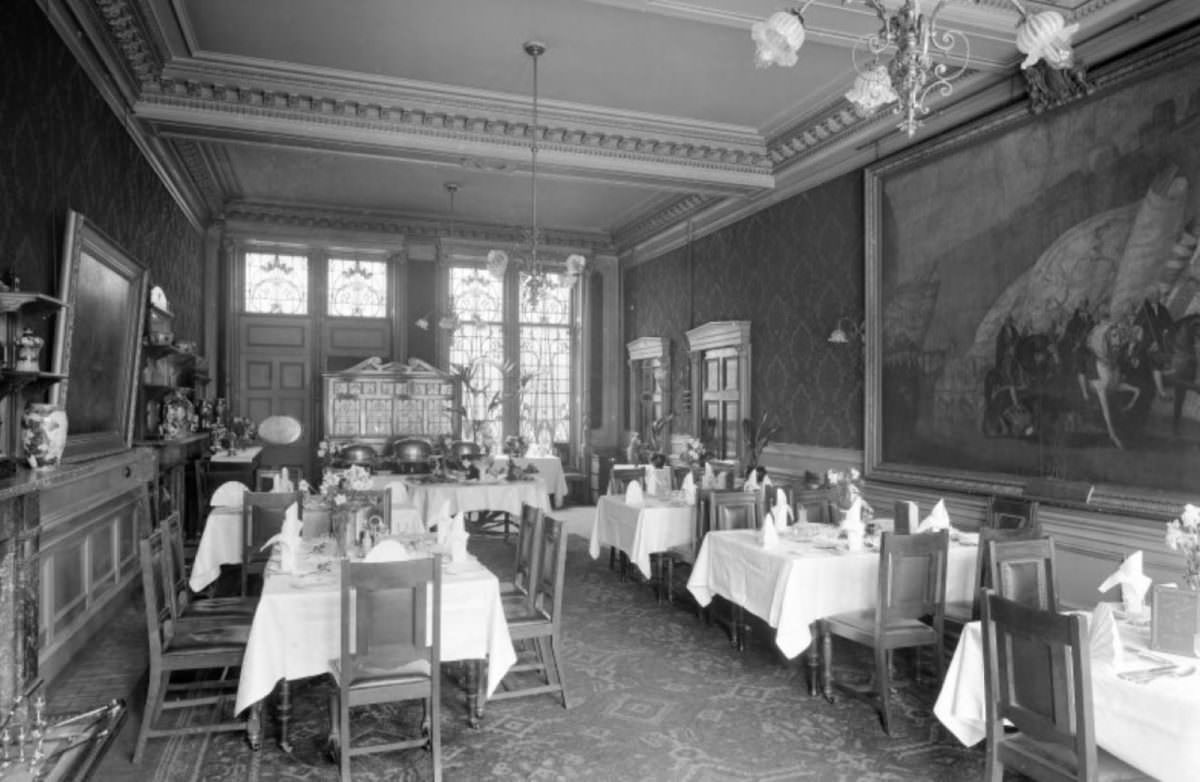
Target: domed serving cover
pixel 357 453
pixel 411 449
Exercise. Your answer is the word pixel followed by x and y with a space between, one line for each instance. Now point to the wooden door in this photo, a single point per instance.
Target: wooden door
pixel 276 376
pixel 721 401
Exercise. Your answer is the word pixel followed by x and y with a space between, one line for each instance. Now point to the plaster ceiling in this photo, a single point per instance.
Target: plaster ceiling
pixel 652 109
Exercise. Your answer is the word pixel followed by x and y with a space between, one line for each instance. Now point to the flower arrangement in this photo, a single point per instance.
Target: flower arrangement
pixel 1183 534
pixel 695 452
pixel 845 486
pixel 516 445
pixel 335 484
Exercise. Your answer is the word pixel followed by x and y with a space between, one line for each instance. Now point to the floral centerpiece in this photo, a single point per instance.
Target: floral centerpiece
pixel 337 484
pixel 695 453
pixel 516 445
pixel 845 486
pixel 1183 534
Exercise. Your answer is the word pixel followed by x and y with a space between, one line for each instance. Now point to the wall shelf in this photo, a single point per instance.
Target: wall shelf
pixel 12 381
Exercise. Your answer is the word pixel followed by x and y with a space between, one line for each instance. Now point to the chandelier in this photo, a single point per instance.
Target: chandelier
pixel 540 275
pixel 911 56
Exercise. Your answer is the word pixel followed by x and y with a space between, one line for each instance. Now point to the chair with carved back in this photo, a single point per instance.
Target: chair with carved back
pixel 183 646
pixel 1037 667
pixel 183 603
pixel 1004 512
pixel 539 620
pixel 391 618
pixel 1023 570
pixel 908 613
pixel 263 514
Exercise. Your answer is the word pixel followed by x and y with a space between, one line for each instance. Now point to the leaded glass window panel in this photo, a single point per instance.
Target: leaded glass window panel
pixel 477 342
pixel 545 356
pixel 276 284
pixel 357 289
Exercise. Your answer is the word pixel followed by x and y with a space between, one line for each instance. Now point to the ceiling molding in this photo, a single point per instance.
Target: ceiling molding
pixel 292 220
pixel 676 212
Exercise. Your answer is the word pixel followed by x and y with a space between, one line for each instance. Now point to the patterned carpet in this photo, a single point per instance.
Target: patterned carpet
pixel 655 695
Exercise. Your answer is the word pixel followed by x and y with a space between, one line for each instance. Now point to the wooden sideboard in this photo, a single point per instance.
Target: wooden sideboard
pixel 374 402
pixel 68 550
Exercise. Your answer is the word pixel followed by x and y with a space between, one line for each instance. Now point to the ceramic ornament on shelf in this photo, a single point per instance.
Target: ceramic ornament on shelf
pixel 29 345
pixel 43 434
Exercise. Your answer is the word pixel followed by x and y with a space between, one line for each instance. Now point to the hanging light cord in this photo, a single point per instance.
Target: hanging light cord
pixel 534 52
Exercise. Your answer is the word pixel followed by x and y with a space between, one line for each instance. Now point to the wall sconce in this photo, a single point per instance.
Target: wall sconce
pixel 846 331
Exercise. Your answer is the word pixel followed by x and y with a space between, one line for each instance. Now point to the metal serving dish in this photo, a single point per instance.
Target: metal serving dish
pixel 460 450
pixel 411 450
pixel 358 453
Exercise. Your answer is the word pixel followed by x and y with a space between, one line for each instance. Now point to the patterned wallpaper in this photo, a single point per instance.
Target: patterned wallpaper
pixel 791 270
pixel 61 148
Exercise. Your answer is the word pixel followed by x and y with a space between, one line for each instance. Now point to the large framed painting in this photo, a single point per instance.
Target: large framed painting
pixel 98 340
pixel 1033 296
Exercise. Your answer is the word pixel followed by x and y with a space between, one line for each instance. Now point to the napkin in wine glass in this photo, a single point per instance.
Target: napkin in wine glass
pixel 634 495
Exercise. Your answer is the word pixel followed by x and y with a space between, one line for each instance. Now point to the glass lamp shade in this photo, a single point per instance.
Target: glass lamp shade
pixel 777 39
pixel 872 89
pixel 1046 36
pixel 497 263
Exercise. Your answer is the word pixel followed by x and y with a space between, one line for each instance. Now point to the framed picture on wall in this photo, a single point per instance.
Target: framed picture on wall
pixel 1033 295
pixel 98 340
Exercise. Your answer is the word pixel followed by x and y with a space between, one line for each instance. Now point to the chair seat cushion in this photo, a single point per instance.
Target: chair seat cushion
pixel 380 672
pixel 209 639
pixel 859 626
pixel 1111 769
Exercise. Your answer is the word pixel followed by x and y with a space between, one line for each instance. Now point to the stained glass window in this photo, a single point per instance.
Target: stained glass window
pixel 545 355
pixel 477 342
pixel 357 288
pixel 276 284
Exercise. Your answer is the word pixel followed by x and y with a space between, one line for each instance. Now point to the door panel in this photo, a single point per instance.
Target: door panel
pixel 276 377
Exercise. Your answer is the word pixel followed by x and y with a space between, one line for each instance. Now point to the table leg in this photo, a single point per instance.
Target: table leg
pixel 285 714
pixel 481 688
pixel 254 727
pixel 474 709
pixel 814 665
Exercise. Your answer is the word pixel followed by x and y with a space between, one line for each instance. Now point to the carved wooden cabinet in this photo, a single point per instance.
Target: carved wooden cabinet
pixel 373 403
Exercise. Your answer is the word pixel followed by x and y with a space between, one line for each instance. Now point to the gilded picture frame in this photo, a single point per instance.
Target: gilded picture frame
pixel 1014 271
pixel 98 340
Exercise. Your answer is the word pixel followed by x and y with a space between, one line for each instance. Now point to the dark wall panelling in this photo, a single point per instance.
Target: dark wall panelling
pixel 62 148
pixel 792 270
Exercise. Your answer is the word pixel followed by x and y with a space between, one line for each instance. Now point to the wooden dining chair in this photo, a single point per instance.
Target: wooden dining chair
pixel 180 598
pixel 1037 667
pixel 528 556
pixel 391 618
pixel 540 620
pixel 619 479
pixel 909 607
pixel 1023 571
pixel 263 514
pixel 685 555
pixel 183 646
pixel 959 612
pixel 730 510
pixel 1011 512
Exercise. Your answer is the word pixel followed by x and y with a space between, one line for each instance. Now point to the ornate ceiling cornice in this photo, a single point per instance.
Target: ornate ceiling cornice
pixel 288 216
pixel 677 211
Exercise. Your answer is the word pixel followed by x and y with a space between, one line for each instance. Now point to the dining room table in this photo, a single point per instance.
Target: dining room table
pixel 658 524
pixel 808 573
pixel 220 544
pixel 1153 725
pixel 434 497
pixel 296 631
pixel 549 469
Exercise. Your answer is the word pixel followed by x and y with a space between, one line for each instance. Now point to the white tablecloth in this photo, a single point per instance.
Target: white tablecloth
pixel 296 630
pixel 220 544
pixel 549 469
pixel 796 583
pixel 639 532
pixel 239 455
pixel 465 497
pixel 1154 727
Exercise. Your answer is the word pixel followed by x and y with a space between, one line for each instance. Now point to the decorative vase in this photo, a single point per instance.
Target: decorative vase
pixel 29 345
pixel 43 434
pixel 177 415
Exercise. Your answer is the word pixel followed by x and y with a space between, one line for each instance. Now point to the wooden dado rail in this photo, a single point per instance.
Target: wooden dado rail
pixel 1088 544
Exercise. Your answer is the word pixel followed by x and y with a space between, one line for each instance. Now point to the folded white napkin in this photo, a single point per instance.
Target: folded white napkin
pixel 689 489
pixel 283 483
pixel 1134 583
pixel 388 551
pixel 653 487
pixel 751 483
pixel 782 512
pixel 634 495
pixel 440 517
pixel 288 539
pixel 1105 642
pixel 708 478
pixel 854 520
pixel 937 520
pixel 229 495
pixel 452 537
pixel 768 536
